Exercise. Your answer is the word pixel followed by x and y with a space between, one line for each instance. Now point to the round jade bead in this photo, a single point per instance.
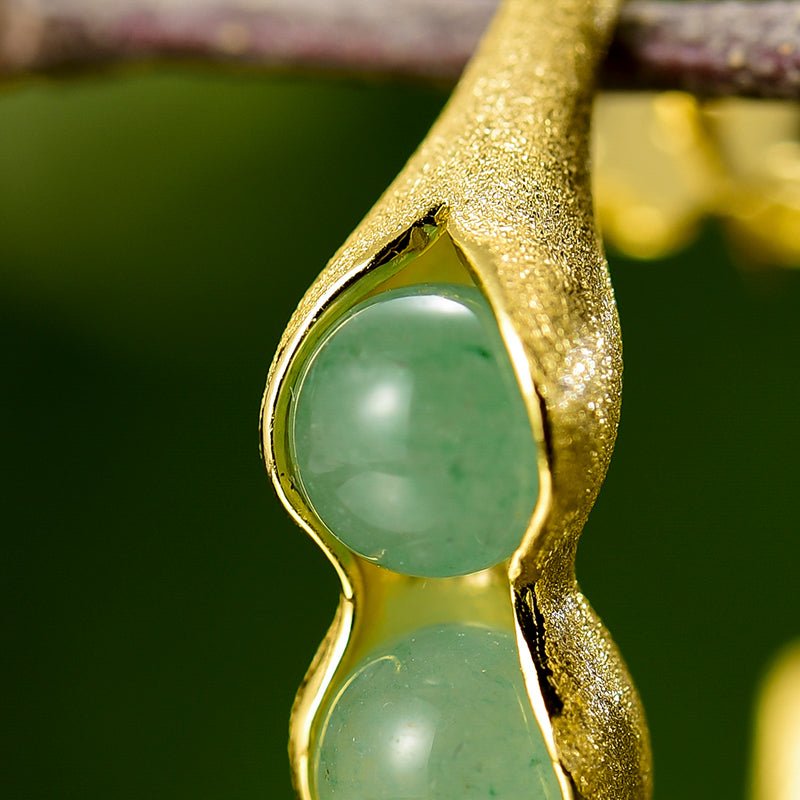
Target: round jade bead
pixel 410 437
pixel 440 715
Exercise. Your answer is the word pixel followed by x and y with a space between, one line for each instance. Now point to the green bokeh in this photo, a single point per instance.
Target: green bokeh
pixel 156 231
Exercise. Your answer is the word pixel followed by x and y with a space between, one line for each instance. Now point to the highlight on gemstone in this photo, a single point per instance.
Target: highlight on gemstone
pixel 410 437
pixel 437 715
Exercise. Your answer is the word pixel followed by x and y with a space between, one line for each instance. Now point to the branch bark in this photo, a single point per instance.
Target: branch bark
pixel 722 48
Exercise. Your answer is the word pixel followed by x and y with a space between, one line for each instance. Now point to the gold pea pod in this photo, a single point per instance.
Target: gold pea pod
pixel 665 162
pixel 439 418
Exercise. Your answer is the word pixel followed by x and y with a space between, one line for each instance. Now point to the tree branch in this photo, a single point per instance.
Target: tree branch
pixel 711 49
pixel 726 48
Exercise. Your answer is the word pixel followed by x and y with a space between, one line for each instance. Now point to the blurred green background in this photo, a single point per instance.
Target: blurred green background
pixel 156 230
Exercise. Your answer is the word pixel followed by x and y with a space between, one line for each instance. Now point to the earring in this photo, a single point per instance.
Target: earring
pixel 439 418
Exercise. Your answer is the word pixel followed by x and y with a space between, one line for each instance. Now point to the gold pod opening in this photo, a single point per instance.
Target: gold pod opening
pixel 425 254
pixel 377 604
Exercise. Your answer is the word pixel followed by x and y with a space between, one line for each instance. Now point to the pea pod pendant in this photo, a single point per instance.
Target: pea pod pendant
pixel 439 418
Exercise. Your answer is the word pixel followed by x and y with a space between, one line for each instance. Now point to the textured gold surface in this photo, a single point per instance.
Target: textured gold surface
pixel 505 170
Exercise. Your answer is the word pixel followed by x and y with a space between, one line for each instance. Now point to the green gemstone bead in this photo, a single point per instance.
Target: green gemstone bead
pixel 440 715
pixel 410 437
